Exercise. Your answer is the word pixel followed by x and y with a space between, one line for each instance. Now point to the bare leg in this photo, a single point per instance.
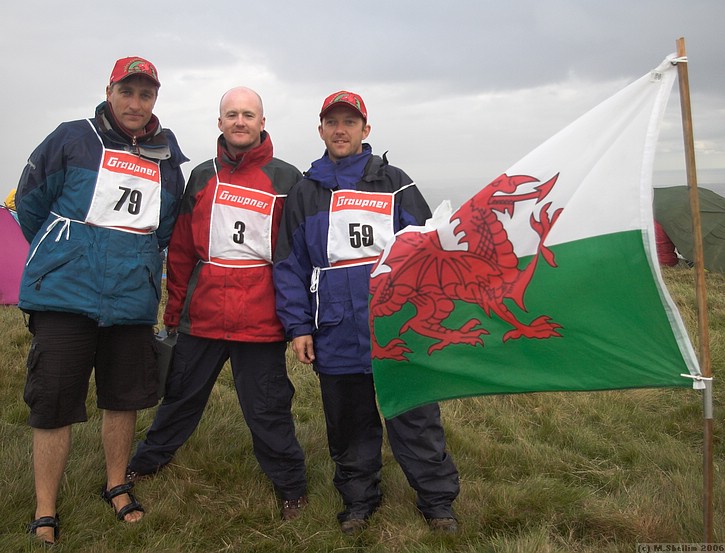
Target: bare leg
pixel 117 434
pixel 50 455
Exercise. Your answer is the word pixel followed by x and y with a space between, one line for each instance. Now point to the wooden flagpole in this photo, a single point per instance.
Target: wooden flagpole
pixel 702 320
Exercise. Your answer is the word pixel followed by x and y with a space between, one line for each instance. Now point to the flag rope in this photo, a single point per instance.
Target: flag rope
pixel 698 377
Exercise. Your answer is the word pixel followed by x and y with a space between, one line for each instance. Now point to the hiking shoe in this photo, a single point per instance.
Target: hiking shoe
pixel 134 476
pixel 353 526
pixel 292 508
pixel 444 525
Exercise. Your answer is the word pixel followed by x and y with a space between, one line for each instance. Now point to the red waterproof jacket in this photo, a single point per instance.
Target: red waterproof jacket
pixel 208 300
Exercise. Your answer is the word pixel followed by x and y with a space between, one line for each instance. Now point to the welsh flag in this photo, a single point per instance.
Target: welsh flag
pixel 546 280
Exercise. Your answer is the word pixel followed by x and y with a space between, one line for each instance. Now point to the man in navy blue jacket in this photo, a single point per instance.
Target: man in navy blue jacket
pixel 336 222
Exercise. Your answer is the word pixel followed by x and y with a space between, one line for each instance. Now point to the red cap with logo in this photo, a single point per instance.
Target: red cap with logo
pixel 344 98
pixel 134 65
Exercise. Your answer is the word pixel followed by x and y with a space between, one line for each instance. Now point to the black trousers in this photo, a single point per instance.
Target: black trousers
pixel 355 434
pixel 265 396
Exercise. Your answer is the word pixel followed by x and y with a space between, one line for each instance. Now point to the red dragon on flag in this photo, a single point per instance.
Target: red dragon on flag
pixel 476 263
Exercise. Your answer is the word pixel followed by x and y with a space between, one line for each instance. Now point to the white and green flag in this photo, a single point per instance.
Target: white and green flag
pixel 546 280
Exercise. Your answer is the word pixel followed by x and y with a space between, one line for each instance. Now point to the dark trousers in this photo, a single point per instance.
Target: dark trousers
pixel 355 434
pixel 265 396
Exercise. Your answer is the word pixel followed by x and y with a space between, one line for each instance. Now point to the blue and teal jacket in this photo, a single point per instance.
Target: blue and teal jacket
pixel 112 276
pixel 336 314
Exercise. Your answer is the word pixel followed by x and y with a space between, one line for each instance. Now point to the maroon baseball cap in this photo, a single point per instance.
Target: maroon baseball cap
pixel 345 98
pixel 134 65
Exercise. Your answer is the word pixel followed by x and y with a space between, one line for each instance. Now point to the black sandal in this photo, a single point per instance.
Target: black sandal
pixel 121 489
pixel 43 522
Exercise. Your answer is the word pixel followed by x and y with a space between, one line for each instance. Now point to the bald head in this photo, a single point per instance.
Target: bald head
pixel 241 92
pixel 241 119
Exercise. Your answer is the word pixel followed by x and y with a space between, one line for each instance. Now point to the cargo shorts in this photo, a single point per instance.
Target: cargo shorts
pixel 67 348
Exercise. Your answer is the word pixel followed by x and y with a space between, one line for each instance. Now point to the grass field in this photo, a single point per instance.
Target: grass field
pixel 564 472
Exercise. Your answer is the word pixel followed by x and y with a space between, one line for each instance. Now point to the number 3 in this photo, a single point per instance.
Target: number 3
pixel 240 227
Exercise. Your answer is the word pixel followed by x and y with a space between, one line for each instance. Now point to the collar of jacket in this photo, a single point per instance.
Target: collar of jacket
pixel 153 144
pixel 346 172
pixel 259 155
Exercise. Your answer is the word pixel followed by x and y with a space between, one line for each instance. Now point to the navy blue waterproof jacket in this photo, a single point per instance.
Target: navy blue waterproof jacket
pixel 112 276
pixel 336 315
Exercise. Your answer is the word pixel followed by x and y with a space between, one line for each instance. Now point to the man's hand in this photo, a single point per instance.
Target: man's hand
pixel 303 348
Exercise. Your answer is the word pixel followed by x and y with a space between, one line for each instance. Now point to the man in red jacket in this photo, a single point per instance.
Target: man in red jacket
pixel 222 302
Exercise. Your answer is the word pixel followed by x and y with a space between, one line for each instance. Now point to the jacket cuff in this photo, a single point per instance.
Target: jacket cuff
pixel 301 330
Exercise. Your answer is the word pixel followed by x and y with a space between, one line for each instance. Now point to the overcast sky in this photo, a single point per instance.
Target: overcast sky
pixel 456 91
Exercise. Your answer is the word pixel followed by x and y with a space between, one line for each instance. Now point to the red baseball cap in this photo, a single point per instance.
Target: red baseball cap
pixel 346 98
pixel 134 65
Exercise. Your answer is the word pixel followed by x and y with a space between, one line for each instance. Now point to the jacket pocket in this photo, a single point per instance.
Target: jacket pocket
pixel 332 313
pixel 48 261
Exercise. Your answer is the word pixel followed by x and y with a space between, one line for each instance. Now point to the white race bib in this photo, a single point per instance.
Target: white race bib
pixel 361 224
pixel 127 195
pixel 240 233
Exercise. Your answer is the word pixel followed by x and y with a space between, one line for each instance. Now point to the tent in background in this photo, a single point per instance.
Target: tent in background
pixel 14 253
pixel 672 210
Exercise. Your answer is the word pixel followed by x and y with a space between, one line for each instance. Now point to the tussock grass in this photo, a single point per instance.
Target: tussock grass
pixel 550 473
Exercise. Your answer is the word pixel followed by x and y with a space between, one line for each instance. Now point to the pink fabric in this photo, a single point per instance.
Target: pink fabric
pixel 14 253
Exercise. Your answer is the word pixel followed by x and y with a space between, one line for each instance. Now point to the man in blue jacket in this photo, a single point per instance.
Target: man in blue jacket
pixel 336 222
pixel 97 201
